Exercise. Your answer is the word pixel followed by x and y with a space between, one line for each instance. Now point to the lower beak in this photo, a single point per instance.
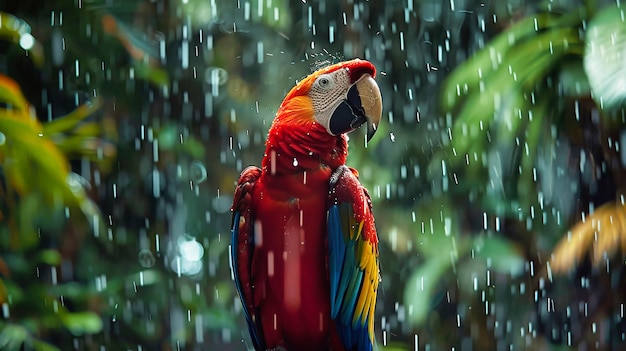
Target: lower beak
pixel 362 104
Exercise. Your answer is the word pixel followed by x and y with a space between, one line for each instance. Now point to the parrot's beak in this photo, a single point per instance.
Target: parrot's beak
pixel 362 104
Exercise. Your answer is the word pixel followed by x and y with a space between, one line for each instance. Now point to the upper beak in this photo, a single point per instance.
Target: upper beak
pixel 362 104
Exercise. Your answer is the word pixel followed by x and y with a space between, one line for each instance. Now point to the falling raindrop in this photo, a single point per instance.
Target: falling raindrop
pixel 197 172
pixel 27 41
pixel 146 258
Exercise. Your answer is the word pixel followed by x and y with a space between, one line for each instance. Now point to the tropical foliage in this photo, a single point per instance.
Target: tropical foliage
pixel 41 198
pixel 533 148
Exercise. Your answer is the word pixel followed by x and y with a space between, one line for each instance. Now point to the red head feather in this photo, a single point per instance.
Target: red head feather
pixel 295 140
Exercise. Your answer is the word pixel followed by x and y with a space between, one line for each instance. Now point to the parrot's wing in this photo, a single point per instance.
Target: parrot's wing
pixel 241 246
pixel 353 260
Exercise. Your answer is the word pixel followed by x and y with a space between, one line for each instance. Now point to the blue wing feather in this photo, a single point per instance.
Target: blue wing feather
pixel 351 296
pixel 256 340
pixel 351 267
pixel 337 249
pixel 241 247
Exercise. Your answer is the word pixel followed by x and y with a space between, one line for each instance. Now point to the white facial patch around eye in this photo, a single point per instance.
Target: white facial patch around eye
pixel 326 95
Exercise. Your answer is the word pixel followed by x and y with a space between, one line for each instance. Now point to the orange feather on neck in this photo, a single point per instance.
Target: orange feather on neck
pixel 296 141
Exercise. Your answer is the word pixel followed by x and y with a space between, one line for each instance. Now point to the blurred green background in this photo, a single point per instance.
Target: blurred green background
pixel 497 175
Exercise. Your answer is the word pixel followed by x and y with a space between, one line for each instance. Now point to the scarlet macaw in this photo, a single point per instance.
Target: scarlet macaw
pixel 304 249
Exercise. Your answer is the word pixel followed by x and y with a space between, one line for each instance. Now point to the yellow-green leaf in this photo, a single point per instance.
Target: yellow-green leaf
pixel 80 323
pixel 11 94
pixel 72 119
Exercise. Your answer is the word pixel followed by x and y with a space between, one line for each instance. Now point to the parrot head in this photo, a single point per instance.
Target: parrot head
pixel 340 97
pixel 317 113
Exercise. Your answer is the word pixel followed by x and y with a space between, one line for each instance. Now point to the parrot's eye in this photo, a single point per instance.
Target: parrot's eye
pixel 325 82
